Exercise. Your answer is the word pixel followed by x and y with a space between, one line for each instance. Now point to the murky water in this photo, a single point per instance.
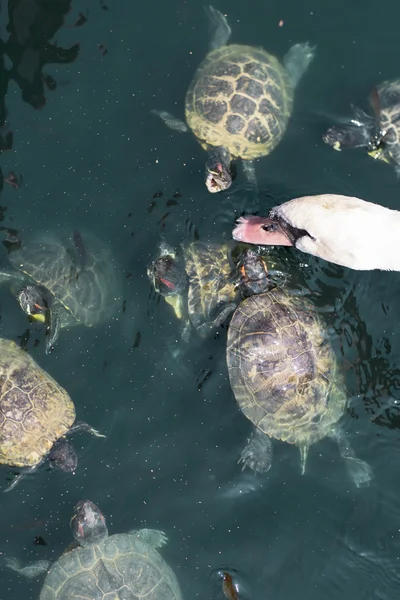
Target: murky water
pixel 78 82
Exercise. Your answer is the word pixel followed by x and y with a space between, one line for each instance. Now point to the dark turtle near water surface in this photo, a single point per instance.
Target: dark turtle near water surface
pixel 284 375
pixel 379 133
pixel 239 102
pixel 35 415
pixel 203 283
pixel 102 566
pixel 64 279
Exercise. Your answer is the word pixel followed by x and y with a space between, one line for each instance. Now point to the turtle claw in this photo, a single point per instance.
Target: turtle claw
pixel 257 455
pixel 152 537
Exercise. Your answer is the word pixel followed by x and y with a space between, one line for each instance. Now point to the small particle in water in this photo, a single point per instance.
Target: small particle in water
pixel 177 194
pixel 152 206
pixel 49 82
pixel 14 180
pixel 281 23
pixel 103 6
pixel 36 343
pixel 80 20
pixel 171 202
pixel 163 218
pixel 228 587
pixel 39 541
pixel 124 306
pixel 157 194
pixel 128 276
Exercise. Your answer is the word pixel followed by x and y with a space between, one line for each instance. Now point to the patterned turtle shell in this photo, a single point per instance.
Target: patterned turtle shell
pixel 282 368
pixel 389 121
pixel 120 566
pixel 240 98
pixel 34 410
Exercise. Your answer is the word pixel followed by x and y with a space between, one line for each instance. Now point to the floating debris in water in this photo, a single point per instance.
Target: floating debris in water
pixel 157 194
pixel 39 541
pixel 171 202
pixel 152 206
pixel 13 179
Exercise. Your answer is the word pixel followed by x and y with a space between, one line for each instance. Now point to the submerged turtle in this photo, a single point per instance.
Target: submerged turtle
pixel 284 375
pixel 64 280
pixel 380 133
pixel 99 566
pixel 203 284
pixel 35 415
pixel 239 102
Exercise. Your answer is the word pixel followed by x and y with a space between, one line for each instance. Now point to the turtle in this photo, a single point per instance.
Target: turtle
pixel 202 283
pixel 239 102
pixel 99 566
pixel 378 133
pixel 285 378
pixel 63 279
pixel 36 415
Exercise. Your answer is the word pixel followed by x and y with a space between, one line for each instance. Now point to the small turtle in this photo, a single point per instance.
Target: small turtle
pixel 378 133
pixel 239 102
pixel 100 566
pixel 203 284
pixel 64 280
pixel 284 375
pixel 36 414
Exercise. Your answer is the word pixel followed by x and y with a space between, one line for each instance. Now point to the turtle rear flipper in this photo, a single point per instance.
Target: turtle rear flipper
pixel 359 470
pixel 31 571
pixel 221 31
pixel 258 453
pixel 171 121
pixel 297 61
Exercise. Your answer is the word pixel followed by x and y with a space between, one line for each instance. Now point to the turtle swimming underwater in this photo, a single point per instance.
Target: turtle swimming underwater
pixel 239 102
pixel 36 414
pixel 100 566
pixel 380 133
pixel 64 279
pixel 284 375
pixel 203 284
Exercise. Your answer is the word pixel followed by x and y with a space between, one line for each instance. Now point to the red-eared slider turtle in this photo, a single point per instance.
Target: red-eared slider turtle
pixel 64 279
pixel 202 283
pixel 380 133
pixel 102 567
pixel 239 102
pixel 284 375
pixel 36 414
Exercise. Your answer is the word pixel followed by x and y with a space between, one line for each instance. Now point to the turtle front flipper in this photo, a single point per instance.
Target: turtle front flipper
pixel 12 276
pixel 206 328
pixel 258 453
pixel 19 477
pixel 152 537
pixel 297 60
pixel 31 571
pixel 53 326
pixel 171 121
pixel 359 471
pixel 221 31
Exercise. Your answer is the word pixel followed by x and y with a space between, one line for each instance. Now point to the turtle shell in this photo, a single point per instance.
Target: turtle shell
pixel 119 566
pixel 282 368
pixel 240 98
pixel 34 410
pixel 389 106
pixel 211 280
pixel 77 270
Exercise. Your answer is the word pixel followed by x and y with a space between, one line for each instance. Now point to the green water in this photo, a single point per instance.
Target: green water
pixel 93 157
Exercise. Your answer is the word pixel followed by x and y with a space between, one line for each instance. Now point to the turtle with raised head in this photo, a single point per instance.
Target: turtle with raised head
pixel 203 283
pixel 64 279
pixel 284 376
pixel 239 102
pixel 101 566
pixel 378 133
pixel 36 415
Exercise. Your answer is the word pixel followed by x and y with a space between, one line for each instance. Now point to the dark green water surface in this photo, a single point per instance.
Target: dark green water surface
pixel 92 156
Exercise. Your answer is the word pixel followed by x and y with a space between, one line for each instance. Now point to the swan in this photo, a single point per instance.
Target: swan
pixel 344 230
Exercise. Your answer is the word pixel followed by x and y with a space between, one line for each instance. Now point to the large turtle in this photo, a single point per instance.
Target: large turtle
pixel 64 279
pixel 36 415
pixel 284 375
pixel 239 102
pixel 379 133
pixel 203 283
pixel 102 567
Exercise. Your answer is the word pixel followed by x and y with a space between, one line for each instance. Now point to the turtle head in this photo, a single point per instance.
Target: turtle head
pixel 35 300
pixel 63 456
pixel 88 524
pixel 166 272
pixel 253 273
pixel 218 175
pixel 352 135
